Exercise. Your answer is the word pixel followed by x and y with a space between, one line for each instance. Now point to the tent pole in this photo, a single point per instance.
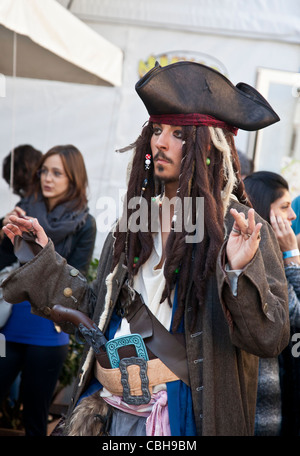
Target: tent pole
pixel 13 110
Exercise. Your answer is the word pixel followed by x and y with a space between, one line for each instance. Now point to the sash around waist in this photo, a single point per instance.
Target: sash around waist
pixel 157 373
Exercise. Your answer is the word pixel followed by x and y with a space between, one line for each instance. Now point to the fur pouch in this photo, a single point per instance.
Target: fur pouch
pixel 91 417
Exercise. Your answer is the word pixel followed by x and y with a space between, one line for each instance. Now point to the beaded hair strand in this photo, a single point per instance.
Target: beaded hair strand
pixel 219 140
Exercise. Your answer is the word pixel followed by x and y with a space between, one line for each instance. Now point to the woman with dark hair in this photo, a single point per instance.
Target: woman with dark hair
pixel 35 346
pixel 270 197
pixel 25 161
pixel 264 188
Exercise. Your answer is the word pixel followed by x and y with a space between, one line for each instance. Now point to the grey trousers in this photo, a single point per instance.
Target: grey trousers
pixel 126 424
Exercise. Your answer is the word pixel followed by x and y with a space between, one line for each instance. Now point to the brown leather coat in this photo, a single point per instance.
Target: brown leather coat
pixel 231 333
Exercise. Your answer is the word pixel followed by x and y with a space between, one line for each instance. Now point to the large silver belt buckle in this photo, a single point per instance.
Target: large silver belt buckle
pixel 140 360
pixel 145 397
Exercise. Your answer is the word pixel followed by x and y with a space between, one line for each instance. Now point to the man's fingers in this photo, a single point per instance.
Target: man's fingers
pixel 246 226
pixel 11 231
pixel 251 221
pixel 25 223
pixel 256 232
pixel 14 229
pixel 239 218
pixel 20 212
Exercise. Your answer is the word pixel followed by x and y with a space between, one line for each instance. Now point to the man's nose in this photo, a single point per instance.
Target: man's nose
pixel 162 141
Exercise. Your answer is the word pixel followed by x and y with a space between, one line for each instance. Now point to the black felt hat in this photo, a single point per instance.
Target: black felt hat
pixel 188 87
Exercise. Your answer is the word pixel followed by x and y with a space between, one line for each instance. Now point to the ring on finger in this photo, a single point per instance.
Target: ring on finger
pixel 236 231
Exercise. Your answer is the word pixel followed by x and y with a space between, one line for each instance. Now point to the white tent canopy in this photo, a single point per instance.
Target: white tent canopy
pixel 276 20
pixel 41 39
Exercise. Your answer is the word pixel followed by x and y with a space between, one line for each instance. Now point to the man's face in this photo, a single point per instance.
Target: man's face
pixel 166 146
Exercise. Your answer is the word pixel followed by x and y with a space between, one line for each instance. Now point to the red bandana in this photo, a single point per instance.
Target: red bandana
pixel 192 119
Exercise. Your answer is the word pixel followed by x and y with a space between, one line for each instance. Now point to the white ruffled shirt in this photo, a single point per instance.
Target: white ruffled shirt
pixel 150 282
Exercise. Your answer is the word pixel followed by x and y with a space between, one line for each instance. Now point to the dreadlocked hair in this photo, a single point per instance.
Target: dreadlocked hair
pixel 239 189
pixel 136 244
pixel 209 169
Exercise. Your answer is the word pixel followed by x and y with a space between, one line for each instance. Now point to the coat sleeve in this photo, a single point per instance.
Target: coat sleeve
pixel 47 279
pixel 258 315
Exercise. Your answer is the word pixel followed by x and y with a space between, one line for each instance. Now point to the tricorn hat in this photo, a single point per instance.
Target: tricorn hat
pixel 188 88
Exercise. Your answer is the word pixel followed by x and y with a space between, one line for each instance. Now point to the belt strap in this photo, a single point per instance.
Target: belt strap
pixel 157 338
pixel 157 373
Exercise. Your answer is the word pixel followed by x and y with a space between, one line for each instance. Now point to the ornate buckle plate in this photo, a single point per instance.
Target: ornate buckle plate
pixel 113 345
pixel 127 397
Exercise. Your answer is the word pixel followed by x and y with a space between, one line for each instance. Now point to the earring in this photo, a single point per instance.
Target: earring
pixel 147 161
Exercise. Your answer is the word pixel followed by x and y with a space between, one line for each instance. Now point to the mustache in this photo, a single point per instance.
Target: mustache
pixel 161 154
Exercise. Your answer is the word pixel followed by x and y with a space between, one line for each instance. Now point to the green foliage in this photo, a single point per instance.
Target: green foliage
pixel 92 272
pixel 71 364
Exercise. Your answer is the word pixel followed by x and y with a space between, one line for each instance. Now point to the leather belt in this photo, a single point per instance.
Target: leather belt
pixel 157 373
pixel 160 343
pixel 133 376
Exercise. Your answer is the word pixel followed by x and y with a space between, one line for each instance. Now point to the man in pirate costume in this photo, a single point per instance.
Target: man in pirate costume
pixel 206 305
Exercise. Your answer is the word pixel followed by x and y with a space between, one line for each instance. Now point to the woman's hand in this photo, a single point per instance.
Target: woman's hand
pixel 243 240
pixel 285 235
pixel 16 226
pixel 298 240
pixel 16 211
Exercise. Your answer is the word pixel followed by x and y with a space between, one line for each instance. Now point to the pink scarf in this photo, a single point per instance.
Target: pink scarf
pixel 157 413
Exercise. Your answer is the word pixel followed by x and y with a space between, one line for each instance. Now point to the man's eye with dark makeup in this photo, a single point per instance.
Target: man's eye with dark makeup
pixel 156 131
pixel 178 134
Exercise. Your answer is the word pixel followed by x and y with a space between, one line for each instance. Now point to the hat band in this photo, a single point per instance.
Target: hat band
pixel 192 119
